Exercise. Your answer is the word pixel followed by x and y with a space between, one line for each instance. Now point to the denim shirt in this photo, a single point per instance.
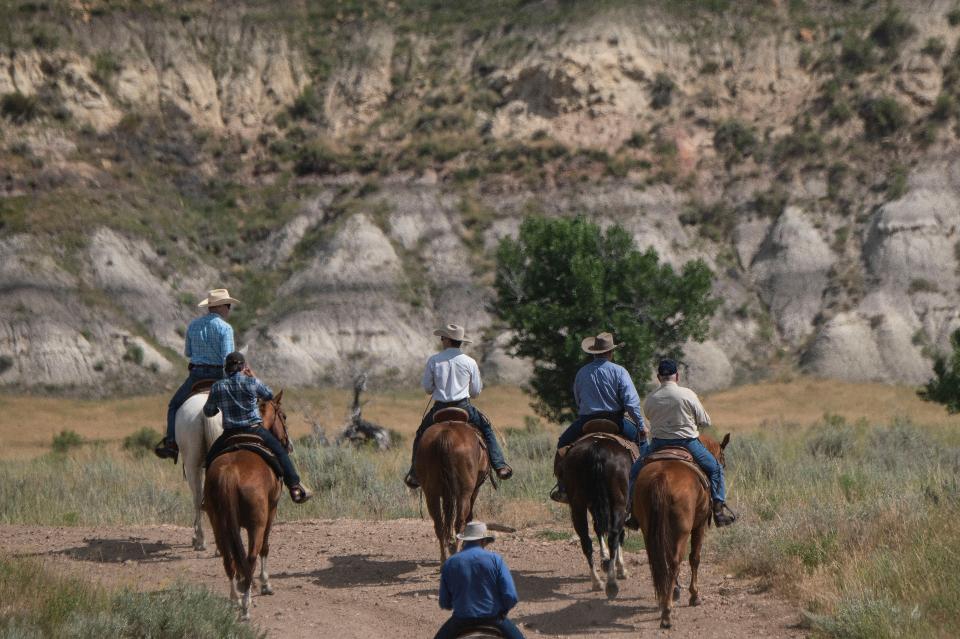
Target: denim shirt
pixel 476 583
pixel 604 387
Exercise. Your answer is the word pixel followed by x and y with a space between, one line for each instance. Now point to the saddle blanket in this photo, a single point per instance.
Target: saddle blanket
pixel 230 442
pixel 682 455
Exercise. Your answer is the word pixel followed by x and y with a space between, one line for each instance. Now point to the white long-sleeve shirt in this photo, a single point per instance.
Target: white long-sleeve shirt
pixel 451 375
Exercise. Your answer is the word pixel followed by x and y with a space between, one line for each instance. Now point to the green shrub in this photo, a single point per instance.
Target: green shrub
pixel 713 221
pixel 661 91
pixel 944 108
pixel 882 117
pixel 19 107
pixel 637 141
pixel 892 31
pixel 317 159
pixel 105 67
pixel 934 47
pixel 66 440
pixel 307 106
pixel 734 140
pixel 141 442
pixel 953 17
pixel 6 363
pixel 770 203
pixel 804 143
pixel 134 354
pixel 857 55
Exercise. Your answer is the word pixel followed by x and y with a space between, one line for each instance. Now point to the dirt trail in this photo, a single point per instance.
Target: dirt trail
pixel 360 579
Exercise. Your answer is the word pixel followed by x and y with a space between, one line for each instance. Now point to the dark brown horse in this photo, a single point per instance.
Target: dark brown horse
pixel 451 465
pixel 595 472
pixel 671 505
pixel 241 491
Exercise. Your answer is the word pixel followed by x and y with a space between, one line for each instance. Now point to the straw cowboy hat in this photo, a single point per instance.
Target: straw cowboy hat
pixel 454 332
pixel 218 297
pixel 602 343
pixel 475 531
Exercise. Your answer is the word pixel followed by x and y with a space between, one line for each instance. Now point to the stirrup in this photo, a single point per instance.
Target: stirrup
pixel 559 495
pixel 723 516
pixel 300 493
pixel 167 449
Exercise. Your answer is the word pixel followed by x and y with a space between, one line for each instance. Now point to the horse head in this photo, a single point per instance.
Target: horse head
pixel 716 449
pixel 275 420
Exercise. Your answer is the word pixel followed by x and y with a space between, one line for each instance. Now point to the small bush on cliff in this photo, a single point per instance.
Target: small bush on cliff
pixel 564 279
pixel 882 117
pixel 19 107
pixel 661 92
pixel 944 388
pixel 735 141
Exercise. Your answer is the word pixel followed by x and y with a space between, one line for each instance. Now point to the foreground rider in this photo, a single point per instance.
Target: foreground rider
pixel 237 397
pixel 675 415
pixel 602 390
pixel 208 341
pixel 477 586
pixel 452 377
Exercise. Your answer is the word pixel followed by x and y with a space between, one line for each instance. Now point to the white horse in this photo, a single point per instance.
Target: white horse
pixel 195 435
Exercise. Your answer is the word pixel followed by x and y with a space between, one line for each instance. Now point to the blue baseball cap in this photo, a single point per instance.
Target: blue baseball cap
pixel 666 368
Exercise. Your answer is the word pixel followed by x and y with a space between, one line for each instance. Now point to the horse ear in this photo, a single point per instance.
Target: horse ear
pixel 726 440
pixel 279 397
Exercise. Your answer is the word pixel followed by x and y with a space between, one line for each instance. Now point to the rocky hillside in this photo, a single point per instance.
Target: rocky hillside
pixel 347 170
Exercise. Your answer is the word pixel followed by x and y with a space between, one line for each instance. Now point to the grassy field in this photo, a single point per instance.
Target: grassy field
pixel 849 494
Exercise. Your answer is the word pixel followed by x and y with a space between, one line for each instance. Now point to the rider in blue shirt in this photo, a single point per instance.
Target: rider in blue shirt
pixel 208 341
pixel 602 390
pixel 477 586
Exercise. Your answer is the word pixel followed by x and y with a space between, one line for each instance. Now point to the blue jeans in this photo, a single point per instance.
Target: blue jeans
pixel 703 457
pixel 290 476
pixel 476 418
pixel 456 625
pixel 627 428
pixel 197 373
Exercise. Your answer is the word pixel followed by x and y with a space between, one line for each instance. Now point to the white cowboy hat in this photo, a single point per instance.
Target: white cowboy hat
pixel 602 343
pixel 475 531
pixel 217 297
pixel 454 332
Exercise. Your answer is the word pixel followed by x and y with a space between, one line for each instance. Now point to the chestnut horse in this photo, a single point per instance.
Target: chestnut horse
pixel 595 472
pixel 671 505
pixel 451 466
pixel 242 491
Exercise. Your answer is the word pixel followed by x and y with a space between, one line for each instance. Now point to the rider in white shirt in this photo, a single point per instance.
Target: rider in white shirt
pixel 451 378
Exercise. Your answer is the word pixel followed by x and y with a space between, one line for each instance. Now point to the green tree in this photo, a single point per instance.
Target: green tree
pixel 565 279
pixel 944 388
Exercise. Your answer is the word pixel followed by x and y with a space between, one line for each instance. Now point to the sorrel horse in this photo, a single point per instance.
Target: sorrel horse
pixel 195 435
pixel 671 505
pixel 595 472
pixel 451 466
pixel 242 491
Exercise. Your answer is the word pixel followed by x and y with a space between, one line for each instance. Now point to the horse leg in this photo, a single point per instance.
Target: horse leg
pixel 265 587
pixel 194 472
pixel 578 514
pixel 464 512
pixel 621 567
pixel 613 588
pixel 673 566
pixel 696 543
pixel 436 514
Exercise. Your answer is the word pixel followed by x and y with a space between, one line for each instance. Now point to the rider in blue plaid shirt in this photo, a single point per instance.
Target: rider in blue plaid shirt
pixel 237 397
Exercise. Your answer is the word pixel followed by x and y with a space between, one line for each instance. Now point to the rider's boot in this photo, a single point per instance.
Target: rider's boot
pixel 722 515
pixel 300 493
pixel 167 449
pixel 505 472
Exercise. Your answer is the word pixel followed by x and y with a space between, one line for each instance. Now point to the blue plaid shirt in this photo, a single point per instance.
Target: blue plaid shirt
pixel 236 397
pixel 209 340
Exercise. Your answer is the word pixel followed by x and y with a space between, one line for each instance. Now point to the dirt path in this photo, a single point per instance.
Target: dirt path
pixel 358 579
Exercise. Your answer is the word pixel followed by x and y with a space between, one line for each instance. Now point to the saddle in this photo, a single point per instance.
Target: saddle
pixel 203 386
pixel 454 414
pixel 604 429
pixel 231 442
pixel 682 455
pixel 480 631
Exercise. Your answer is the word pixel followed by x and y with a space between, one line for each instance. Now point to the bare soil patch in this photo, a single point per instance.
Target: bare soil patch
pixel 364 579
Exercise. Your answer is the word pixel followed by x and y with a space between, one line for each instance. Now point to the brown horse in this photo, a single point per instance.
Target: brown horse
pixel 595 472
pixel 451 465
pixel 671 505
pixel 241 491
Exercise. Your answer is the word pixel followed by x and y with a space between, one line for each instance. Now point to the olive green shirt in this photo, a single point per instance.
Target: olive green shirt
pixel 674 412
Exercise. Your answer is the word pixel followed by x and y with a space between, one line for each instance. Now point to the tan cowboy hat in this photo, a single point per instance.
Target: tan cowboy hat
pixel 602 343
pixel 454 332
pixel 475 531
pixel 218 297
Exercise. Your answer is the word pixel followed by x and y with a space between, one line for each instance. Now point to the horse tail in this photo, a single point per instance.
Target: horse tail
pixel 598 491
pixel 450 485
pixel 228 511
pixel 659 540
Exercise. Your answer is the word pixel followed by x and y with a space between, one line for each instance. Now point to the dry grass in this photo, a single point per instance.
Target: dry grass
pixel 28 424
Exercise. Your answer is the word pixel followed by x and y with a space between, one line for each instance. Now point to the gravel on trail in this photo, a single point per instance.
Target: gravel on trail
pixel 362 579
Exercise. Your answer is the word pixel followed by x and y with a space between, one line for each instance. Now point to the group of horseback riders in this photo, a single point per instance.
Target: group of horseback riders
pixel 602 390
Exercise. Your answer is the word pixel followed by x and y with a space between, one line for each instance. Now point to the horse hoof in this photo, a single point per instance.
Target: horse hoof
pixel 597 585
pixel 665 624
pixel 199 547
pixel 266 590
pixel 695 600
pixel 676 593
pixel 622 574
pixel 612 590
